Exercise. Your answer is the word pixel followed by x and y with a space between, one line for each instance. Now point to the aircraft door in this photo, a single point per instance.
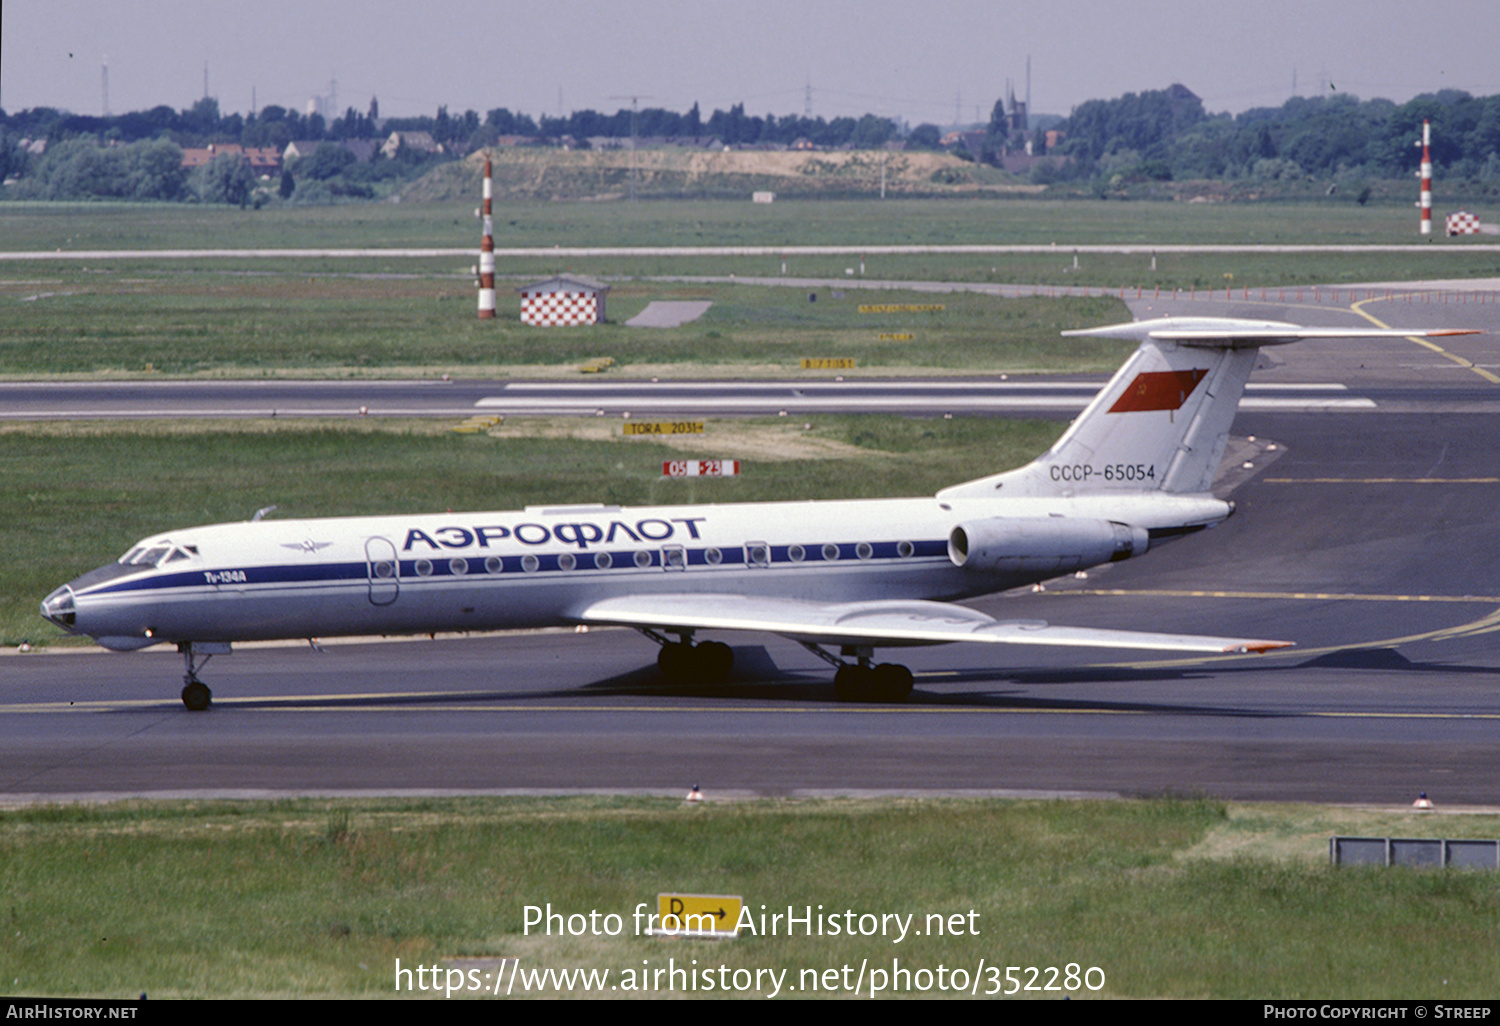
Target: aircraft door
pixel 383 568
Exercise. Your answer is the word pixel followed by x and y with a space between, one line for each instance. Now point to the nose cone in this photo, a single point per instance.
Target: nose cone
pixel 60 608
pixel 79 607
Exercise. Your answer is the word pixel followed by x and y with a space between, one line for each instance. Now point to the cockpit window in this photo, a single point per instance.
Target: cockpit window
pixel 156 555
pixel 153 555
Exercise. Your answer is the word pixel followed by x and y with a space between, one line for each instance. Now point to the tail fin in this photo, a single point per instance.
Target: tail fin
pixel 1162 422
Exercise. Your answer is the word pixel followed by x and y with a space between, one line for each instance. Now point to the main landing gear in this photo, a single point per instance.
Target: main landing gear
pixel 864 680
pixel 709 662
pixel 195 655
pixel 860 682
pixel 683 662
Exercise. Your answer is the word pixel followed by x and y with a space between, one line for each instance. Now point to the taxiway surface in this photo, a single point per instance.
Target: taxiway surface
pixel 1369 536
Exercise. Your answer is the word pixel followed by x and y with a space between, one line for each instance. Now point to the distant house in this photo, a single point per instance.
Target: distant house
pixel 363 149
pixel 563 301
pixel 421 142
pixel 971 141
pixel 263 160
pixel 198 156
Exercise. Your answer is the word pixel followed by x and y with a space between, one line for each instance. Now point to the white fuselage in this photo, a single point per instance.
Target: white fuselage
pixel 540 566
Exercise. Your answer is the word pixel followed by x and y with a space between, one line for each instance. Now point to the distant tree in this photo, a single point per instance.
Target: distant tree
pixel 926 136
pixel 153 170
pixel 506 123
pixel 325 162
pixel 13 158
pixel 202 118
pixel 872 132
pixel 225 179
pixel 77 169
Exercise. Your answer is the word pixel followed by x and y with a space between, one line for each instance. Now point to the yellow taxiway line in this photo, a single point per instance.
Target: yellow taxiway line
pixel 1424 343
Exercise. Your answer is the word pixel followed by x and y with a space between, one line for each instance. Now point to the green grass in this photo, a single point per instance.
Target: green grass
pixel 47 226
pixel 384 316
pixel 135 321
pixel 1168 898
pixel 75 496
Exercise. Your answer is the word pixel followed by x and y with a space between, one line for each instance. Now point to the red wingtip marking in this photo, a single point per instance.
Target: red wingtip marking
pixel 1264 646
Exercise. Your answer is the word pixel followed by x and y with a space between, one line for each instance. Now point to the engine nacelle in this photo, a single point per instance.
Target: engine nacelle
pixel 1043 545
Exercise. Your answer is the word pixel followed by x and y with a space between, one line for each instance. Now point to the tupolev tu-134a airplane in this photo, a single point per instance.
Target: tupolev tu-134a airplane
pixel 841 577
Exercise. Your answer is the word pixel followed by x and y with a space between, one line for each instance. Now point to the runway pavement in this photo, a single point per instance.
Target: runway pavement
pixel 1370 536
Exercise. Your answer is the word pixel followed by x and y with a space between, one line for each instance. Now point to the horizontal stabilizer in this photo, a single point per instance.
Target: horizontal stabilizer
pixel 884 623
pixel 1233 333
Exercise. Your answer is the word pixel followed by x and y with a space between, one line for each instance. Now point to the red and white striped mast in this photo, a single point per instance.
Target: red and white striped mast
pixel 1426 175
pixel 487 250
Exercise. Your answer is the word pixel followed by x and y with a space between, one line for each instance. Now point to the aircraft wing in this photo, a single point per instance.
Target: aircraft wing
pixel 886 622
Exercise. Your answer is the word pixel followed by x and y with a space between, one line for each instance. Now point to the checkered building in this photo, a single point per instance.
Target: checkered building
pixel 563 301
pixel 1463 223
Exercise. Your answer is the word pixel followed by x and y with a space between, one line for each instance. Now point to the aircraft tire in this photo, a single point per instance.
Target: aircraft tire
pixel 676 662
pixel 854 683
pixel 891 682
pixel 196 696
pixel 715 660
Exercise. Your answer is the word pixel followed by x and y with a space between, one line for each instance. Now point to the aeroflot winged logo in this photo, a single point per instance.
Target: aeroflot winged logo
pixel 308 546
pixel 1158 390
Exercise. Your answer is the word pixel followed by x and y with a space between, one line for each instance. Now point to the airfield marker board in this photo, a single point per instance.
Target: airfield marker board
pixel 698 915
pixel 700 468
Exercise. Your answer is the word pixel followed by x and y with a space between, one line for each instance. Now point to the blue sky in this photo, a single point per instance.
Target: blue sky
pixel 919 61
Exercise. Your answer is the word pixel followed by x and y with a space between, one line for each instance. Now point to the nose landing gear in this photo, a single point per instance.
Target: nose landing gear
pixel 195 694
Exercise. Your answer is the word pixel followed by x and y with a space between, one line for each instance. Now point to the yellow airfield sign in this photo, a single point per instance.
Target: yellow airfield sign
pixel 697 915
pixel 656 427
